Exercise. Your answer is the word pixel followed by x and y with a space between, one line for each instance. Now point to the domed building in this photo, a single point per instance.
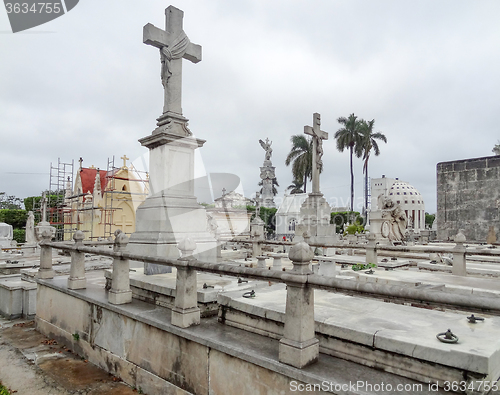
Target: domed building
pixel 405 195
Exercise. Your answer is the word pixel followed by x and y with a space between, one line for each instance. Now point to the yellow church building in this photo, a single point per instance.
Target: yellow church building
pixel 104 201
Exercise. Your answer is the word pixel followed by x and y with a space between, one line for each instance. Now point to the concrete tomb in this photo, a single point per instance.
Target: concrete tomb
pixel 6 234
pixel 230 216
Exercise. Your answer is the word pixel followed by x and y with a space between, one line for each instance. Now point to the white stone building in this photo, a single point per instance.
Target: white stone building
pixel 402 193
pixel 288 215
pixel 231 215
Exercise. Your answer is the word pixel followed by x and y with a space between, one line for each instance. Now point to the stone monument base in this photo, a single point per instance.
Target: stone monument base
pixel 162 222
pixel 315 220
pixel 376 221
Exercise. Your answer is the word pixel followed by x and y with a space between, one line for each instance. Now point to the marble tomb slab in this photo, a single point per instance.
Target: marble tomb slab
pixel 396 338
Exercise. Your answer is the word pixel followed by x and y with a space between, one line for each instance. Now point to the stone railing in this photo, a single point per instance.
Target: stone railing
pixel 298 347
pixel 459 252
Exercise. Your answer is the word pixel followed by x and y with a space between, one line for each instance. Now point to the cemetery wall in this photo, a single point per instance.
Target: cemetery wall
pixel 468 197
pixel 153 359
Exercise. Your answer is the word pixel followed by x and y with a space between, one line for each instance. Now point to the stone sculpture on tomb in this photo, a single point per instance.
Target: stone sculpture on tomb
pixel 267 147
pixel 394 224
pixel 30 229
pixel 212 224
pixel 44 224
pixel 268 175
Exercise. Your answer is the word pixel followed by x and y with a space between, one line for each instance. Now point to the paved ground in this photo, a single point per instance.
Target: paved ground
pixel 31 364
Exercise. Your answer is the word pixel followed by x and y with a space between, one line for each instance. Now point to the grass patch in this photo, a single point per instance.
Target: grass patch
pixel 361 266
pixel 3 390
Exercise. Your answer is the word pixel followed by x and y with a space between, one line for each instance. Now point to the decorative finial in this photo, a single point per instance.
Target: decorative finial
pixel 124 157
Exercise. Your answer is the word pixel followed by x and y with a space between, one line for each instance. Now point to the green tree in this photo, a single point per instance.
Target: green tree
pixel 367 143
pixel 341 218
pixel 300 156
pixel 295 187
pixel 16 218
pixel 10 202
pixel 348 136
pixel 429 219
pixel 268 215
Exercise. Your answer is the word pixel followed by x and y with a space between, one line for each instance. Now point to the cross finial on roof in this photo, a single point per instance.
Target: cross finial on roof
pixel 125 159
pixel 81 161
pixel 223 191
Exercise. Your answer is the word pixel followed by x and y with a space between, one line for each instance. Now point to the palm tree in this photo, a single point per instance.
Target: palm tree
pixel 368 142
pixel 295 187
pixel 301 156
pixel 348 137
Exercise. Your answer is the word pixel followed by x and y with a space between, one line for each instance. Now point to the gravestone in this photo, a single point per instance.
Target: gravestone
pixel 6 235
pixel 171 213
pixel 315 211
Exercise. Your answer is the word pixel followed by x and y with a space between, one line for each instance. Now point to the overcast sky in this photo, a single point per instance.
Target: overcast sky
pixel 84 85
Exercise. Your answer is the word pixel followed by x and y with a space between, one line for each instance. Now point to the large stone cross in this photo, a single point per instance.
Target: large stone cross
pixel 318 136
pixel 173 45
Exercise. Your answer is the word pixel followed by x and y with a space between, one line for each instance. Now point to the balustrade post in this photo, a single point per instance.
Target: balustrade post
pixel 277 265
pixel 299 346
pixel 371 249
pixel 459 265
pixel 120 278
pixel 45 270
pixel 261 262
pixel 77 278
pixel 186 312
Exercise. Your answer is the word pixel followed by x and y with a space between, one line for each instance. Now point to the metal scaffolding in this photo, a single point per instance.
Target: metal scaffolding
pixel 65 202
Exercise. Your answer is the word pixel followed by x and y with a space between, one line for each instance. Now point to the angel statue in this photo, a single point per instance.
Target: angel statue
pixel 267 147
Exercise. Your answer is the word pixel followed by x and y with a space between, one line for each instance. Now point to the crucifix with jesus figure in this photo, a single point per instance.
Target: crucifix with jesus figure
pixel 317 137
pixel 174 45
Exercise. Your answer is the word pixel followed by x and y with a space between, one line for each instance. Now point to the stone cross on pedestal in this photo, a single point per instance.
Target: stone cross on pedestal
pixel 317 136
pixel 124 157
pixel 171 212
pixel 173 45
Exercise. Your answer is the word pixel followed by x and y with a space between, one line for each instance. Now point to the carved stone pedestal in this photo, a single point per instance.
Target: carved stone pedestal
pixel 171 212
pixel 315 219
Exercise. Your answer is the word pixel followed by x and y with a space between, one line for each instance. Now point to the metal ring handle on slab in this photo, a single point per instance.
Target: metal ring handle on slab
pixel 447 337
pixel 371 271
pixel 472 319
pixel 250 294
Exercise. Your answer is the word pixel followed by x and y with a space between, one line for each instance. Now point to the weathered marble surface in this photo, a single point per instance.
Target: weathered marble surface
pixel 207 359
pixel 17 297
pixel 395 332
